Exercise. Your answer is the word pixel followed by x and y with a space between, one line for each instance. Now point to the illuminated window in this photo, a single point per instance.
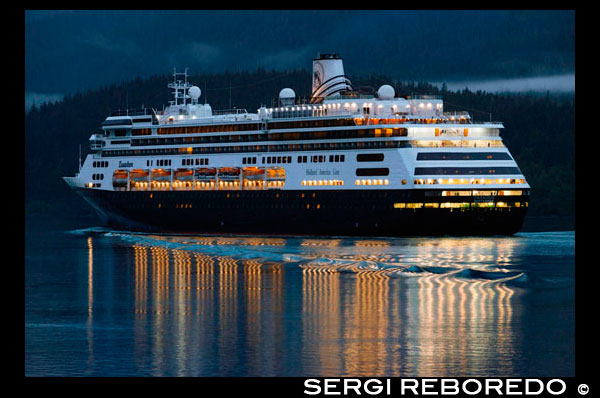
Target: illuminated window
pixel 483 204
pixel 453 205
pixel 322 182
pixel 510 193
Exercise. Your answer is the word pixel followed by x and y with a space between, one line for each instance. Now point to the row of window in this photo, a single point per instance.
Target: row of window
pixel 364 182
pixel 301 159
pixel 403 120
pixel 311 123
pixel 451 205
pixel 197 161
pixel 482 193
pixel 326 146
pixel 447 205
pixel 463 156
pixel 484 181
pixel 322 182
pixel 199 185
pixel 466 170
pixel 97 176
pixel 100 163
pixel 163 162
pixel 337 134
pixel 244 127
pixel 373 182
pixel 288 136
pixel 457 143
pixel 273 159
pixel 141 132
pixel 275 206
pixel 277 159
pixel 213 128
pixel 272 125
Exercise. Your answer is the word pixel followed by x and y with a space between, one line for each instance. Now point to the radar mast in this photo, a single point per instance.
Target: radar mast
pixel 180 87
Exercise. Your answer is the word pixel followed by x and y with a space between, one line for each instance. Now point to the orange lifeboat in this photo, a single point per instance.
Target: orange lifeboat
pixel 120 178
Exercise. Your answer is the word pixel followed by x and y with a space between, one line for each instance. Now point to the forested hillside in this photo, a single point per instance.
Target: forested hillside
pixel 539 131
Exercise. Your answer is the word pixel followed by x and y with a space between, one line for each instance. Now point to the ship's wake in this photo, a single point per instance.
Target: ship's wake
pixel 437 258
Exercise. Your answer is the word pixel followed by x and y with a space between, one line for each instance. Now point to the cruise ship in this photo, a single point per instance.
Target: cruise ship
pixel 342 162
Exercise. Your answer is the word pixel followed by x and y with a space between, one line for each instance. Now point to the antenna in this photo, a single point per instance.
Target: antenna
pixel 180 87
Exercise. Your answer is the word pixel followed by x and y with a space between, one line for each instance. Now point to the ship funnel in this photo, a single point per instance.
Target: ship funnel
pixel 328 76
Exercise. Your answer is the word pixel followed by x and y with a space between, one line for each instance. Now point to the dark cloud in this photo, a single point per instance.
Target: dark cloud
pixel 68 51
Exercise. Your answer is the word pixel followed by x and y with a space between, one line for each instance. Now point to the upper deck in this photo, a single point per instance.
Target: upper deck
pixel 333 114
pixel 340 138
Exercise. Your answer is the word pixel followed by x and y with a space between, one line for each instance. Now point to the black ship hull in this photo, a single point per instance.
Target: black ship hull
pixel 319 212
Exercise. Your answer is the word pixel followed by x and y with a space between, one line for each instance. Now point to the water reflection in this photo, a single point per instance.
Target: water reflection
pixel 463 323
pixel 274 306
pixel 90 303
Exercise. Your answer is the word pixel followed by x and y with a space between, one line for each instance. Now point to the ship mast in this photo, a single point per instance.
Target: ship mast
pixel 180 87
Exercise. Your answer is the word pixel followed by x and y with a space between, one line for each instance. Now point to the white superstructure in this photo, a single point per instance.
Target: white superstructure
pixel 398 128
pixel 341 140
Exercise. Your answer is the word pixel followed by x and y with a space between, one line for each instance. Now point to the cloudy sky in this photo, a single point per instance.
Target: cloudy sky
pixel 70 51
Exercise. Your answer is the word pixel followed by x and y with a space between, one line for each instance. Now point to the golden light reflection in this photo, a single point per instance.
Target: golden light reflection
pixel 321 242
pixel 140 256
pixel 457 312
pixel 321 320
pixel 160 305
pixel 372 243
pixel 90 276
pixel 89 324
pixel 263 297
pixel 182 284
pixel 252 287
pixel 423 323
pixel 367 324
pixel 227 312
pixel 463 323
pixel 141 278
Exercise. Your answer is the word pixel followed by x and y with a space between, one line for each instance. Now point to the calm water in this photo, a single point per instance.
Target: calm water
pixel 106 303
